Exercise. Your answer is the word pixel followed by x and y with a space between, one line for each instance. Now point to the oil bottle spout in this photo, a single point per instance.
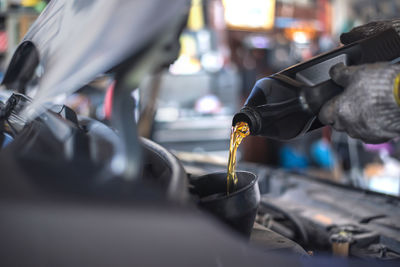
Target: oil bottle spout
pixel 251 117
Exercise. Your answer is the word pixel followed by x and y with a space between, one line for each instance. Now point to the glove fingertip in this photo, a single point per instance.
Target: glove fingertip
pixel 326 114
pixel 352 36
pixel 347 38
pixel 339 74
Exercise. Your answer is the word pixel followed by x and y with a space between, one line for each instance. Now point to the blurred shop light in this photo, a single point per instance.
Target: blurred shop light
pixel 29 2
pixel 301 33
pixel 257 42
pixel 185 65
pixel 187 62
pixel 250 14
pixel 212 61
pixel 167 114
pixel 383 175
pixel 196 16
pixel 208 104
pixel 385 178
pixel 300 37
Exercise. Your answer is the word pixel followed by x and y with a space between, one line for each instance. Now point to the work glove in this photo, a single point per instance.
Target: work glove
pixel 372 28
pixel 369 107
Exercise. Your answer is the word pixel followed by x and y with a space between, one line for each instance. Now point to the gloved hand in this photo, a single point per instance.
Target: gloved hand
pixel 369 107
pixel 361 32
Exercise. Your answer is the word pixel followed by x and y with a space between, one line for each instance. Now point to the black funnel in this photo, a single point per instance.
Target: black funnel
pixel 238 209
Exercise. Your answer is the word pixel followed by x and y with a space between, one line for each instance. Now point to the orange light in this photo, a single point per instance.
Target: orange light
pixel 301 32
pixel 250 14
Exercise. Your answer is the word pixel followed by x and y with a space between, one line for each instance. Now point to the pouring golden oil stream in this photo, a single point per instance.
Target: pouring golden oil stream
pixel 239 132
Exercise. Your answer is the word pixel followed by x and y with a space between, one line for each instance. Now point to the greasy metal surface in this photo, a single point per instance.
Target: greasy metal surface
pixel 268 240
pixel 322 206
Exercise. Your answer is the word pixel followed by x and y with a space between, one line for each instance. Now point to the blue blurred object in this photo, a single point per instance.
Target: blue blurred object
pixel 292 159
pixel 321 153
pixel 7 140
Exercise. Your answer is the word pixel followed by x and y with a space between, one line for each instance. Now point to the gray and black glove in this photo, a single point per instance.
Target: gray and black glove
pixel 372 28
pixel 369 107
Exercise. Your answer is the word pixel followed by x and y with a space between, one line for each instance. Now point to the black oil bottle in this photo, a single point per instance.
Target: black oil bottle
pixel 285 105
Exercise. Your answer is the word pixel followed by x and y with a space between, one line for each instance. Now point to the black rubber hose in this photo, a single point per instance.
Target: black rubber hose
pixel 301 230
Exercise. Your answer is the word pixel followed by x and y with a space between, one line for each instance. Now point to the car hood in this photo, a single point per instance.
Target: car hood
pixel 78 40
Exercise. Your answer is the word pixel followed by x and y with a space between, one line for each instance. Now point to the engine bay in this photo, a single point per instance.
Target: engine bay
pixel 298 215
